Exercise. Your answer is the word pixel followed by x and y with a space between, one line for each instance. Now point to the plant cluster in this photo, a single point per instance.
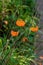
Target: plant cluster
pixel 18 27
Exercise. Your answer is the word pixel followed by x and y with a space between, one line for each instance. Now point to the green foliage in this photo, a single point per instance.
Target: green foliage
pixel 13 50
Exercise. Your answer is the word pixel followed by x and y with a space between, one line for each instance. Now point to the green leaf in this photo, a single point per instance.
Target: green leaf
pixel 0 42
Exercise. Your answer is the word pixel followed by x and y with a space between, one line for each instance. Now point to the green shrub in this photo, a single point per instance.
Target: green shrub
pixel 17 32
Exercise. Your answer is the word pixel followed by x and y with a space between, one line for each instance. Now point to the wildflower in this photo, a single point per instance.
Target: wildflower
pixel 6 22
pixel 24 39
pixel 20 23
pixel 14 33
pixel 34 29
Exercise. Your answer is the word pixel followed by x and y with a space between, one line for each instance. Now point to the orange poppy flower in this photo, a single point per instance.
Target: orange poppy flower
pixel 6 22
pixel 41 57
pixel 24 39
pixel 34 29
pixel 20 23
pixel 14 33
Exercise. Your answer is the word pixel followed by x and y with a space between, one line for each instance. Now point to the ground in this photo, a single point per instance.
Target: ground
pixel 39 43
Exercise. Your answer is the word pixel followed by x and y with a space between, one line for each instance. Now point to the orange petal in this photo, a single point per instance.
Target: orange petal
pixel 20 22
pixel 14 33
pixel 34 29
